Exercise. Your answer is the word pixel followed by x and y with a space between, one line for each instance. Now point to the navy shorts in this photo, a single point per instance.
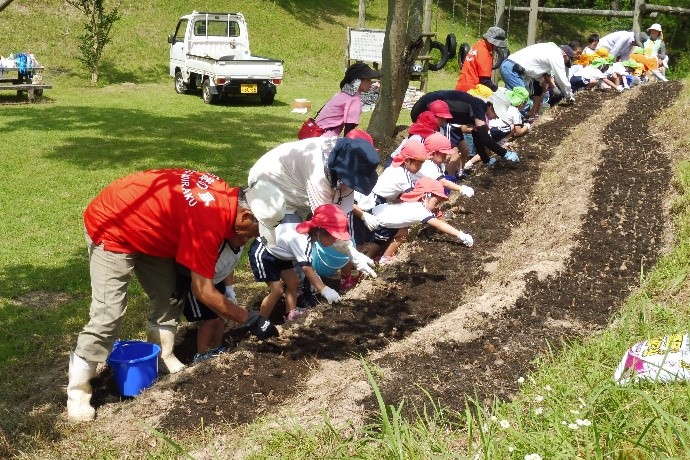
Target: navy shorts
pixel 265 266
pixel 578 83
pixel 384 235
pixel 196 311
pixel 359 231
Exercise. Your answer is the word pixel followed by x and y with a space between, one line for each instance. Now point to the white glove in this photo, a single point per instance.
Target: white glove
pixel 330 294
pixel 371 221
pixel 467 192
pixel 230 293
pixel 362 262
pixel 466 239
pixel 619 88
pixel 527 125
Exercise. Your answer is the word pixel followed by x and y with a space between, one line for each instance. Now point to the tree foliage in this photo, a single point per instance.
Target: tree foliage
pixel 97 27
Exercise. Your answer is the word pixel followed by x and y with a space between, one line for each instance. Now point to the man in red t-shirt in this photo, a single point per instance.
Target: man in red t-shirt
pixel 143 224
pixel 479 61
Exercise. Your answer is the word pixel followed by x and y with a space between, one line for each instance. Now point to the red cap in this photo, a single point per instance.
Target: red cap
pixel 412 149
pixel 437 142
pixel 440 109
pixel 425 125
pixel 329 217
pixel 359 133
pixel 423 186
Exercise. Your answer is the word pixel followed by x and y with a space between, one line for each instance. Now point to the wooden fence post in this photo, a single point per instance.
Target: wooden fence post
pixel 362 14
pixel 500 13
pixel 426 31
pixel 532 25
pixel 637 14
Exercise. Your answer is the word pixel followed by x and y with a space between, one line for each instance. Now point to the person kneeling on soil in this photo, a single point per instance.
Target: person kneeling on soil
pixel 298 243
pixel 439 149
pixel 419 205
pixel 209 338
pixel 143 224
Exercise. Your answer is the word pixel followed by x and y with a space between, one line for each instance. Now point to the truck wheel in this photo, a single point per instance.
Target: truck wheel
pixel 180 85
pixel 206 93
pixel 268 98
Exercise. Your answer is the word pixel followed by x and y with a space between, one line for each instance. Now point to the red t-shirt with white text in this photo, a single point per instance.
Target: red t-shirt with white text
pixel 176 213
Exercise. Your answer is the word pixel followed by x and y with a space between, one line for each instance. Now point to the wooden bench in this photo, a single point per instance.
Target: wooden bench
pixel 31 89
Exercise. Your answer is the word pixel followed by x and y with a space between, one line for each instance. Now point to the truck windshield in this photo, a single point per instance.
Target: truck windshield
pixel 215 28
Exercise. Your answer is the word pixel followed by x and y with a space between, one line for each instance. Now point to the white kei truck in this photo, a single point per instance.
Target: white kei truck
pixel 211 51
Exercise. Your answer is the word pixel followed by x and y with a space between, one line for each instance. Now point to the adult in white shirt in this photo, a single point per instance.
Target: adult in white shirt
pixel 317 171
pixel 539 67
pixel 620 44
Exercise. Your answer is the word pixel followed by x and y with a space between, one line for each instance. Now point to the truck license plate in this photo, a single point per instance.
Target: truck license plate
pixel 246 89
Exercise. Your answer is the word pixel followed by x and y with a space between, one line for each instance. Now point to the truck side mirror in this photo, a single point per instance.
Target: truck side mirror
pixel 171 39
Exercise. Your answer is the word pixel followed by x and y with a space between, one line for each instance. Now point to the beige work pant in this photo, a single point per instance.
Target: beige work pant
pixel 110 276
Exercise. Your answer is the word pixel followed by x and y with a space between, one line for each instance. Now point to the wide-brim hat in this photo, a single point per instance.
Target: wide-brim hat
pixel 640 38
pixel 267 203
pixel 329 217
pixel 500 102
pixel 496 36
pixel 656 26
pixel 359 71
pixel 354 162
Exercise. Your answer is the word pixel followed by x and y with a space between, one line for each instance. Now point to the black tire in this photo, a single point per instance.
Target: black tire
pixel 443 60
pixel 500 56
pixel 267 99
pixel 180 85
pixel 464 51
pixel 38 92
pixel 206 94
pixel 451 46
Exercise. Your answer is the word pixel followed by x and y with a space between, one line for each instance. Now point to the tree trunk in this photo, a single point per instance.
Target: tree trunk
pixel 401 47
pixel 4 4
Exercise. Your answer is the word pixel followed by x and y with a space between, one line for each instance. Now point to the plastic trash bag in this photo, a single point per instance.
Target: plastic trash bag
pixel 659 359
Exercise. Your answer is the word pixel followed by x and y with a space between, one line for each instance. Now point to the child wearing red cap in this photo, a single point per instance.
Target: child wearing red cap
pixel 299 244
pixel 439 149
pixel 419 205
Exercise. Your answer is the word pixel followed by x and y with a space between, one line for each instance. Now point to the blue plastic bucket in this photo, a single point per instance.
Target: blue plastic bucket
pixel 135 365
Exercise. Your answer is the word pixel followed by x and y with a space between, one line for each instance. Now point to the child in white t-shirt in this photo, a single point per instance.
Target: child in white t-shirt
pixel 509 123
pixel 274 263
pixel 439 149
pixel 419 205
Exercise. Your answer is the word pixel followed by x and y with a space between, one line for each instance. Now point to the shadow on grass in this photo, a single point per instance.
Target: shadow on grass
pixel 311 12
pixel 229 136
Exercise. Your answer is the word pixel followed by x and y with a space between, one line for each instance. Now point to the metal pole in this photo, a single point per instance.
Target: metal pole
pixel 532 25
pixel 426 31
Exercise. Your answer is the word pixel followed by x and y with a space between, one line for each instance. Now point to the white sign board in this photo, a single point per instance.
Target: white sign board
pixel 365 44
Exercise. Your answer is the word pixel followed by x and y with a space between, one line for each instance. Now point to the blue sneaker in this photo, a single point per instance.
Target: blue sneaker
pixel 213 352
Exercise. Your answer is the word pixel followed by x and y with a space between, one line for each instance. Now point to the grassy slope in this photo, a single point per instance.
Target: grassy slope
pixel 60 154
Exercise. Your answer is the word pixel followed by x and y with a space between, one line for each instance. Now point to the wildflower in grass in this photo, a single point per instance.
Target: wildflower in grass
pixel 582 422
pixel 574 411
pixel 511 449
pixel 532 457
pixel 539 398
pixel 538 411
pixel 505 424
pixel 485 429
pixel 521 380
pixel 547 388
pixel 573 426
pixel 563 422
pixel 493 418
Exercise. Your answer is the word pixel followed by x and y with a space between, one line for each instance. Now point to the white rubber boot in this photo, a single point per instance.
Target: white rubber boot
pixel 79 389
pixel 165 337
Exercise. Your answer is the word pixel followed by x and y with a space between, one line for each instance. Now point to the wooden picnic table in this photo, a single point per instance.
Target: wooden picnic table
pixel 22 83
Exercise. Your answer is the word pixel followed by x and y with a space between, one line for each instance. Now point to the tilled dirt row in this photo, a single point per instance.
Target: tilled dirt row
pixel 620 236
pixel 243 385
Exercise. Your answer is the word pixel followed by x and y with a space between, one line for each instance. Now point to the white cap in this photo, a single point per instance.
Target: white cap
pixel 267 203
pixel 501 103
pixel 655 26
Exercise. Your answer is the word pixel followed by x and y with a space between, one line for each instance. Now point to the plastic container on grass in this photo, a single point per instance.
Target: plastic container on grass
pixel 135 365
